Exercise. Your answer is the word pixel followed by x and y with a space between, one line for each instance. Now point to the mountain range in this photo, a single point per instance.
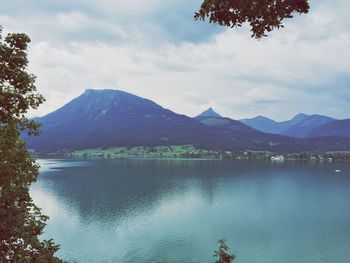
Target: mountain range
pixel 302 126
pixel 113 118
pixel 335 128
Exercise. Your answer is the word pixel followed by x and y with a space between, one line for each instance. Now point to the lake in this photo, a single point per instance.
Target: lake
pixel 176 210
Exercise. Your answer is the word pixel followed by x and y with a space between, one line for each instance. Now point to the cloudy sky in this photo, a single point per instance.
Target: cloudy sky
pixel 154 49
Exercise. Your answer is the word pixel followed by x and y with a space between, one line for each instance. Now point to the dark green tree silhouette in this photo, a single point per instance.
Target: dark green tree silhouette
pixel 21 221
pixel 222 253
pixel 262 15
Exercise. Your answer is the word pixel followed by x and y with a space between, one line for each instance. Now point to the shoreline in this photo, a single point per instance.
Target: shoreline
pixel 59 156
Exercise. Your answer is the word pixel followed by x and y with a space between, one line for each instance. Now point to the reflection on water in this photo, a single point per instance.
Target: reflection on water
pixel 175 211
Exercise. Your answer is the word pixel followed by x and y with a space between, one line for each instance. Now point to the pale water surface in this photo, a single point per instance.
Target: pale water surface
pixel 175 211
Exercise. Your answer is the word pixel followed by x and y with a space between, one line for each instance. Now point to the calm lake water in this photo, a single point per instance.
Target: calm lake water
pixel 175 211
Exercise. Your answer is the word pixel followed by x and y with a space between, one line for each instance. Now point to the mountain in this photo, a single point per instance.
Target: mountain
pixel 267 125
pixel 303 128
pixel 106 118
pixel 211 118
pixel 263 124
pixel 299 126
pixel 209 113
pixel 113 118
pixel 339 128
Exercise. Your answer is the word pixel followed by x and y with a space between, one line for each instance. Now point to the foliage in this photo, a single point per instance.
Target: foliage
pixel 171 151
pixel 222 253
pixel 21 220
pixel 262 15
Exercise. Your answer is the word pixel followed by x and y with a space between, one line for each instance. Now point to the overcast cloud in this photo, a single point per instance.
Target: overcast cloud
pixel 154 49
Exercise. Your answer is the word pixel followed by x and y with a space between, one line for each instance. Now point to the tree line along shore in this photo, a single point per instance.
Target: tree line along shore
pixel 191 152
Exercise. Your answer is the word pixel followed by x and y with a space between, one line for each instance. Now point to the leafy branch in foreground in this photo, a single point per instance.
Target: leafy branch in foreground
pixel 262 15
pixel 21 221
pixel 223 254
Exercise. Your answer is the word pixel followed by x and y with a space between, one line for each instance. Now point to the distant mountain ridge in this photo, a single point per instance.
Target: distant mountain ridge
pixel 114 118
pixel 335 128
pixel 262 124
pixel 299 126
pixel 209 113
pixel 304 128
pixel 212 118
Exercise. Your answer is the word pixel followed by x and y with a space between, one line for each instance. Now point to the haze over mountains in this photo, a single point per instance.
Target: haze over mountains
pixel 112 118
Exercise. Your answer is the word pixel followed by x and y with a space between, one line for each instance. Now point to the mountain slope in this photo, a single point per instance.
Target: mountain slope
pixel 262 124
pixel 209 113
pixel 227 124
pixel 113 118
pixel 299 126
pixel 303 128
pixel 103 118
pixel 336 128
pixel 106 118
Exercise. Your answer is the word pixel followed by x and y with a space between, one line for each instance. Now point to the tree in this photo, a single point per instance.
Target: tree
pixel 222 253
pixel 21 221
pixel 262 15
